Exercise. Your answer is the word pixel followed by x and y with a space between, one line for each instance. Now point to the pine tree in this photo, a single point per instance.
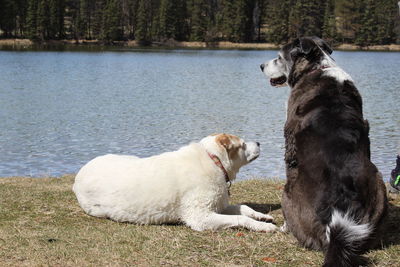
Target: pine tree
pixel 142 25
pixel 278 21
pixel 132 8
pixel 314 17
pixel 296 19
pixel 98 21
pixel 329 24
pixel 366 35
pixel 228 18
pixel 21 7
pixel 73 27
pixel 60 18
pixel 257 19
pixel 306 18
pixel 348 16
pixel 111 26
pixel 155 31
pixel 387 11
pixel 180 22
pixel 31 20
pixel 53 19
pixel 166 20
pixel 8 12
pixel 87 10
pixel 242 28
pixel 198 20
pixel 43 19
pixel 171 19
pixel 396 31
pixel 56 19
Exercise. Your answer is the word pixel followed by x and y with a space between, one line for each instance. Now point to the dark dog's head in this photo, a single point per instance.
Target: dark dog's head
pixel 311 51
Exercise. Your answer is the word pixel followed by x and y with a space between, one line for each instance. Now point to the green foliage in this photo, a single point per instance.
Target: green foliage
pixel 237 20
pixel 329 31
pixel 198 20
pixel 31 19
pixel 367 33
pixel 278 21
pixel 306 18
pixel 43 19
pixel 349 17
pixel 364 22
pixel 87 13
pixel 243 21
pixel 111 25
pixel 56 19
pixel 386 28
pixel 228 18
pixel 166 20
pixel 8 13
pixel 97 23
pixel 171 20
pixel 377 25
pixel 142 25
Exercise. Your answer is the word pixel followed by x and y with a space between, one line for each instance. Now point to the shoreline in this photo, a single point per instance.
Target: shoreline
pixel 171 44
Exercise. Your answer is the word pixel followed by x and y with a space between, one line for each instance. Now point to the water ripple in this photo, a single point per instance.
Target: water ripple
pixel 58 110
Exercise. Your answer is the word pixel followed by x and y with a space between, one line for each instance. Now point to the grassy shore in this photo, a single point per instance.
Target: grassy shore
pixel 73 44
pixel 41 224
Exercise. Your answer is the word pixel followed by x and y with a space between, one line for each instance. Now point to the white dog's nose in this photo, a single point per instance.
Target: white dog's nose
pixel 252 151
pixel 262 66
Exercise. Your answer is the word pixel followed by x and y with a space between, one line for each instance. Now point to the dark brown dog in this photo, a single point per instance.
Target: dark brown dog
pixel 334 198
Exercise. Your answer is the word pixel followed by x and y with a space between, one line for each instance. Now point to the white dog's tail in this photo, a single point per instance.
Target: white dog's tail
pixel 345 237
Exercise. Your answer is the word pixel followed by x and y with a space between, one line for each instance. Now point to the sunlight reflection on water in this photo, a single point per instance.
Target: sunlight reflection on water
pixel 58 110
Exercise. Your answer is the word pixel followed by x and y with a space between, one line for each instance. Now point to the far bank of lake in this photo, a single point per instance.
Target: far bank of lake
pixel 74 44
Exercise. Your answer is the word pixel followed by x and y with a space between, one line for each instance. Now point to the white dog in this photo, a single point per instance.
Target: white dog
pixel 190 185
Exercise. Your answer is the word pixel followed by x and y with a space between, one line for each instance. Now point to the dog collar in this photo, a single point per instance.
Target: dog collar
pixel 218 162
pixel 320 68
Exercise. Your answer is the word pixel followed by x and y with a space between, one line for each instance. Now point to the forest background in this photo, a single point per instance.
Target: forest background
pixel 359 22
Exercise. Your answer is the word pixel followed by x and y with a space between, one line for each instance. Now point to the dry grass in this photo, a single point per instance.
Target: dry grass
pixel 41 224
pixel 15 42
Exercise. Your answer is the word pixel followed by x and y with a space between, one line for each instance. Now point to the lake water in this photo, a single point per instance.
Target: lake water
pixel 58 110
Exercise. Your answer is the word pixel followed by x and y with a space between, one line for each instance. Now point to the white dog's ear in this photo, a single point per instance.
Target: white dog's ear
pixel 225 141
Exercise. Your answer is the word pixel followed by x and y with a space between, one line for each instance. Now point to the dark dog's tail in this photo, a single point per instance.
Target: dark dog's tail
pixel 346 238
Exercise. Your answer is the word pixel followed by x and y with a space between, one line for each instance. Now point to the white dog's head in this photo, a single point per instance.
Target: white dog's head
pixel 232 151
pixel 280 68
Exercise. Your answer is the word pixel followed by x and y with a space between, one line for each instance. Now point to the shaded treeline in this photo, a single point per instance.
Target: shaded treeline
pixel 344 21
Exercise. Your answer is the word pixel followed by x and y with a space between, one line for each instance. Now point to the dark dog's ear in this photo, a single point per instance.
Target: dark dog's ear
pixel 321 43
pixel 301 47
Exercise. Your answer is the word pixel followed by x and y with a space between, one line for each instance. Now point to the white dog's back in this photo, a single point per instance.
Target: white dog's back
pixel 140 190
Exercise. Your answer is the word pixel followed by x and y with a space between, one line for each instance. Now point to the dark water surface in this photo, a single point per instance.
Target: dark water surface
pixel 58 110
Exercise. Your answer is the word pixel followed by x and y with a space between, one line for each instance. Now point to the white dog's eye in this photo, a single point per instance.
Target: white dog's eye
pixel 279 57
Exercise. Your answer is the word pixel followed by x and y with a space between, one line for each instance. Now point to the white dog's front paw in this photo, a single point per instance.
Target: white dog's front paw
pixel 263 217
pixel 266 227
pixel 267 218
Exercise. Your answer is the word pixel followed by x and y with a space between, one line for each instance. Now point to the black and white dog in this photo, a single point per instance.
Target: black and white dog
pixel 334 198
